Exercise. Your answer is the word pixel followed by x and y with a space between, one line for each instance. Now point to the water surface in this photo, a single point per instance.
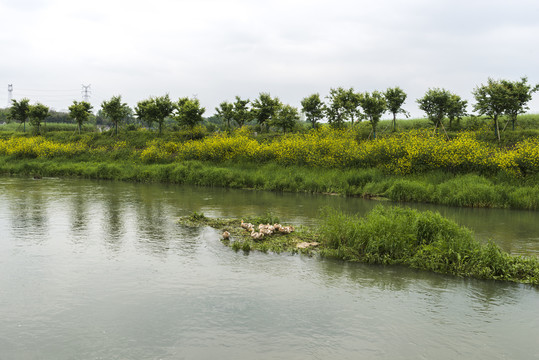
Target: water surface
pixel 101 270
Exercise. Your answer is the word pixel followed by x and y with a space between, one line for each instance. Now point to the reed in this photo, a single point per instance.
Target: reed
pixel 423 240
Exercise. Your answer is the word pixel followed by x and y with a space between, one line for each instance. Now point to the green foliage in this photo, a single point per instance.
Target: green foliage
pixel 115 110
pixel 435 103
pixel 226 112
pixel 188 112
pixel 265 109
pixel 80 111
pixel 343 105
pixel 503 97
pixel 286 118
pixel 423 240
pixel 19 111
pixel 491 100
pixel 395 98
pixel 267 218
pixel 242 114
pixel 37 114
pixel 374 106
pixel 195 216
pixel 518 94
pixel 456 109
pixel 313 108
pixel 155 109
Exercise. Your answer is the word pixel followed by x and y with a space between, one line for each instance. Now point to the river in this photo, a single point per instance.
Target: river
pixel 101 270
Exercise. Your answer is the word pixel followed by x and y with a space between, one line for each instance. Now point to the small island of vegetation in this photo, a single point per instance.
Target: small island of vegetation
pixel 388 236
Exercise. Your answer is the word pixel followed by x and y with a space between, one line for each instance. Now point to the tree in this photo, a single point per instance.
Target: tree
pixel 286 118
pixel 313 108
pixel 242 114
pixel 351 105
pixel 519 93
pixel 374 106
pixel 226 112
pixel 38 113
pixel 435 104
pixel 115 110
pixel 395 98
pixel 265 108
pixel 80 111
pixel 456 109
pixel 19 111
pixel 143 111
pixel 343 105
pixel 188 112
pixel 155 109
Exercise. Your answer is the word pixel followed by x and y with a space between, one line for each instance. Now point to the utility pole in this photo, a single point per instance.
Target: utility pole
pixel 9 94
pixel 86 92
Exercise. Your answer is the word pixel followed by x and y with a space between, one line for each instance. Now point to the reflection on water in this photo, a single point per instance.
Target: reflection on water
pixel 124 207
pixel 96 270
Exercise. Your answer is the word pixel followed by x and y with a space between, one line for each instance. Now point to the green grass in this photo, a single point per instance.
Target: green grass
pixel 468 190
pixel 422 240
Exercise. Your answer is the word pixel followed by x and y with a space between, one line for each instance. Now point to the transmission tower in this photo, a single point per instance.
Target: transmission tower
pixel 86 92
pixel 9 94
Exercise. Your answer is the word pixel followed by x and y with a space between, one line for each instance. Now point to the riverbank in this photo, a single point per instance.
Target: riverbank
pixel 387 236
pixel 438 187
pixel 416 165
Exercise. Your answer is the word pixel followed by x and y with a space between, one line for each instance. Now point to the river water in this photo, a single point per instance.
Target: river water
pixel 101 270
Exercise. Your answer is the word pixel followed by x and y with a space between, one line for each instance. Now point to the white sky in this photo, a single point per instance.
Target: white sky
pixel 217 49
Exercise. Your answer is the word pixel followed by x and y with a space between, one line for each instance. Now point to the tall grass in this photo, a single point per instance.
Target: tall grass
pixel 470 190
pixel 422 240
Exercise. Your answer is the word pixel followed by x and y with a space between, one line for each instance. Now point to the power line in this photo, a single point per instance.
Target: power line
pixel 46 90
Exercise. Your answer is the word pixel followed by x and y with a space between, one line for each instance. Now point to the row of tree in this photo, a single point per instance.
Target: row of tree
pixel 155 109
pixel 495 99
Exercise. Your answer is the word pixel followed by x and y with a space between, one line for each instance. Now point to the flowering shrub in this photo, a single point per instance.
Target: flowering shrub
pixel 408 152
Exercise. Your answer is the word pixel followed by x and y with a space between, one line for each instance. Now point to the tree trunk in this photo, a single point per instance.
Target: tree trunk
pixel 394 122
pixel 496 128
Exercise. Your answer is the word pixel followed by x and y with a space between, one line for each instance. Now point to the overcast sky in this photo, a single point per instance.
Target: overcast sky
pixel 217 49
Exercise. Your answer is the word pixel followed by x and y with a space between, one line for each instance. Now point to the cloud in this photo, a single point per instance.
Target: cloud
pixel 219 49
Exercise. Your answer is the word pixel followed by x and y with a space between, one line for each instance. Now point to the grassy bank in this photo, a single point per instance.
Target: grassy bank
pixel 412 152
pixel 462 170
pixel 470 190
pixel 389 236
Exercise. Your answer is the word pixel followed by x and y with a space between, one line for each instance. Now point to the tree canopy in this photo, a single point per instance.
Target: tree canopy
pixel 374 106
pixel 395 98
pixel 155 109
pixel 80 111
pixel 188 112
pixel 343 105
pixel 313 108
pixel 286 118
pixel 503 97
pixel 265 108
pixel 242 114
pixel 19 111
pixel 115 110
pixel 518 93
pixel 37 114
pixel 226 112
